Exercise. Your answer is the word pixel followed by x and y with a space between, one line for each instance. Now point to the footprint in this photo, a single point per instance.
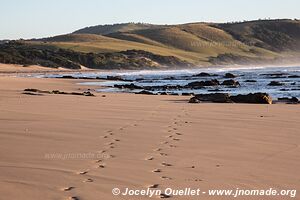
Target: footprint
pixel 165 142
pixel 166 164
pixel 166 178
pixel 159 149
pixel 198 180
pixel 89 180
pixel 98 161
pixel 164 196
pixel 163 154
pixel 101 166
pixel 117 140
pixel 176 139
pixel 110 156
pixel 170 136
pixel 82 172
pixel 67 189
pixel 195 180
pixel 172 146
pixel 178 133
pixel 157 171
pixel 73 198
pixel 150 158
pixel 110 132
pixel 153 186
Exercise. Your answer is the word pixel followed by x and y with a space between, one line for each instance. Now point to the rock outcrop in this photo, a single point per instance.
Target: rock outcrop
pixel 256 98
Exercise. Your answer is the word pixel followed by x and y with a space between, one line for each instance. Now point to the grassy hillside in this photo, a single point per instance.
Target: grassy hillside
pixel 107 29
pixel 274 35
pixel 197 43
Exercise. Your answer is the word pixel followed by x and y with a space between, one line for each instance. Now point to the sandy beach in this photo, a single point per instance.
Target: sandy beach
pixel 75 147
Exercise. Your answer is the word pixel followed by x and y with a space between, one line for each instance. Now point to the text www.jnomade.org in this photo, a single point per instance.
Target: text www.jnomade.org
pixel 198 192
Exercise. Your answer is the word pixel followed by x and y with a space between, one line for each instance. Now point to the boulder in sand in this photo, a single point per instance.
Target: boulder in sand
pixel 145 92
pixel 215 97
pixel 256 98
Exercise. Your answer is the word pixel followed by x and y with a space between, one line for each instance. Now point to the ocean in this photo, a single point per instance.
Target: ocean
pixel 251 80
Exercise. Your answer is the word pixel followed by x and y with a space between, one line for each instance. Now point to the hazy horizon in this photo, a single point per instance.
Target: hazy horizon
pixel 37 19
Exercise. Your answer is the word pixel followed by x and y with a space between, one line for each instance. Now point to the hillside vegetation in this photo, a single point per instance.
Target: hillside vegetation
pixel 202 44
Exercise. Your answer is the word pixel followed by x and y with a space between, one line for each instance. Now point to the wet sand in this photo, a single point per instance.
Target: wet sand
pixel 63 146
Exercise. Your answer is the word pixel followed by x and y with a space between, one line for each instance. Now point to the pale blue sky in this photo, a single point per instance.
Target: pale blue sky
pixel 42 18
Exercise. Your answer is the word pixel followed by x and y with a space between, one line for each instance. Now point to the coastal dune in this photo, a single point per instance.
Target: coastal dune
pixel 78 147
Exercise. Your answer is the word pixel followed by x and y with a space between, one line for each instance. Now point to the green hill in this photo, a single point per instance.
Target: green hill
pixel 274 35
pixel 202 44
pixel 113 28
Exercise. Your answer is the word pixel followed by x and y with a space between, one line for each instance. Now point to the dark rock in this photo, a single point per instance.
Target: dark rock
pixel 33 94
pixel 275 74
pixel 199 84
pixel 129 86
pixel 115 78
pixel 289 100
pixel 204 74
pixel 216 98
pixel 194 100
pixel 68 77
pixel 231 83
pixel 163 93
pixel 275 83
pixel 250 81
pixel 186 94
pixel 31 90
pixel 37 91
pixel 145 92
pixel 229 75
pixel 294 76
pixel 169 78
pixel 59 92
pixel 88 94
pixel 72 77
pixel 257 98
pixel 139 79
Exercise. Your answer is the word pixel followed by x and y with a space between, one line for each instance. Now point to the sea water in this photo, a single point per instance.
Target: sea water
pixel 289 76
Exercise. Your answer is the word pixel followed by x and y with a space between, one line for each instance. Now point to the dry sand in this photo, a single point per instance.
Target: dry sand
pixel 8 69
pixel 128 137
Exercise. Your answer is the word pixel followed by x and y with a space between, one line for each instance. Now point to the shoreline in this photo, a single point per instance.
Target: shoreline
pixel 19 69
